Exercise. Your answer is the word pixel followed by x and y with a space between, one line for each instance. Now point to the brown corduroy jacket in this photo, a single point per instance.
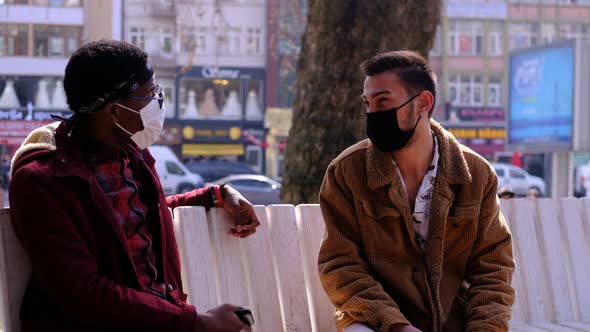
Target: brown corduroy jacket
pixel 371 266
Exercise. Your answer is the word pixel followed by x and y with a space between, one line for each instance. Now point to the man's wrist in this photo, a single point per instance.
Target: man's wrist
pixel 215 195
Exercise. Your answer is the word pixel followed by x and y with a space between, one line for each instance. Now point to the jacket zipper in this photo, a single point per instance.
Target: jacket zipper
pixel 421 243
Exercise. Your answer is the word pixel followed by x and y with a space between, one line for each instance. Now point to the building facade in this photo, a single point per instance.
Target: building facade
pixel 471 55
pixel 37 37
pixel 209 55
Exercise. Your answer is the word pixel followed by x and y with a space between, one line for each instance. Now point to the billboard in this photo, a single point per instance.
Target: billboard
pixel 542 97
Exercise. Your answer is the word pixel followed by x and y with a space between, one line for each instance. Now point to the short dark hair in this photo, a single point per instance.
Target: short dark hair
pixel 97 68
pixel 410 66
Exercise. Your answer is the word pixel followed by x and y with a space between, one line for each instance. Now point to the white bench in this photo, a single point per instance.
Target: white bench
pixel 274 271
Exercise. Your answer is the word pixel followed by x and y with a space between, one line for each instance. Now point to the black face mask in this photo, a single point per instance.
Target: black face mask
pixel 384 131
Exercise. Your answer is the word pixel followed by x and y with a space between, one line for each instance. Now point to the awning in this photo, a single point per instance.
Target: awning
pixel 212 149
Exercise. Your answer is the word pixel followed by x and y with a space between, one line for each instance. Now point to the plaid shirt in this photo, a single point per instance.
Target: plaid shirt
pixel 117 180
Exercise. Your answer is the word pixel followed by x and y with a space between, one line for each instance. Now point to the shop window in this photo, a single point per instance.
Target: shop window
pixel 211 99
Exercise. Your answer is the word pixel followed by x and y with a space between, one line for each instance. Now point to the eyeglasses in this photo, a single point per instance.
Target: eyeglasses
pixel 158 95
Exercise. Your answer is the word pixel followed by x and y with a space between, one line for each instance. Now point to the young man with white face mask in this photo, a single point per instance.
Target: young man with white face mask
pixel 88 208
pixel 415 240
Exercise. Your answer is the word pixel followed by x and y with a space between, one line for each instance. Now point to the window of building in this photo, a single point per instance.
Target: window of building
pixel 254 41
pixel 523 35
pixel 465 38
pixel 194 39
pixel 437 46
pixel 574 31
pixel 14 39
pixel 548 33
pixel 495 91
pixel 14 2
pixel 228 40
pixel 137 36
pixel 465 90
pixel 169 95
pixel 166 40
pixel 56 41
pixel 496 39
pixel 58 3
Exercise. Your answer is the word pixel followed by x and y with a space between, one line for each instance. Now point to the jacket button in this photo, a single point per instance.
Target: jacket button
pixel 63 161
pixel 170 288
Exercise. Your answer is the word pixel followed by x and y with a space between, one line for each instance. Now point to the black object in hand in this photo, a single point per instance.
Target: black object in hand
pixel 245 315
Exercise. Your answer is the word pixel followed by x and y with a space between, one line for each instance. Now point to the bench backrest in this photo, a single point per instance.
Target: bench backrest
pixel 274 271
pixel 14 275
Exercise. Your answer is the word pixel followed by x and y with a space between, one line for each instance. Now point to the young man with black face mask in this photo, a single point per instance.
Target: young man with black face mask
pixel 414 240
pixel 88 208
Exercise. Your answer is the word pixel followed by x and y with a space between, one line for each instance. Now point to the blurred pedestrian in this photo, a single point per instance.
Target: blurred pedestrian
pixel 506 193
pixel 415 240
pixel 533 193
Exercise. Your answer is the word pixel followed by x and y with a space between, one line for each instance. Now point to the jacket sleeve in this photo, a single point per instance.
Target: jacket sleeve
pixel 66 269
pixel 344 274
pixel 490 267
pixel 197 197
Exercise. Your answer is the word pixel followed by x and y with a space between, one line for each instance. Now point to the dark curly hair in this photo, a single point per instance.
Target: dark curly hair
pixel 96 70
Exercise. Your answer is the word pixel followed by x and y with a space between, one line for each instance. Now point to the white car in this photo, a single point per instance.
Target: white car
pixel 258 189
pixel 518 179
pixel 174 176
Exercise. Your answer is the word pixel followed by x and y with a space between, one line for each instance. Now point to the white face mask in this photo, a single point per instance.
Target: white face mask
pixel 152 116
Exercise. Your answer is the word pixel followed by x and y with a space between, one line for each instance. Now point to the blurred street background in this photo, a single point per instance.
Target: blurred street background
pixel 511 79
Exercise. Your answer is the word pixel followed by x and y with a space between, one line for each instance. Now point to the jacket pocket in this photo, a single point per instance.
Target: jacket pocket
pixel 461 230
pixel 378 211
pixel 383 232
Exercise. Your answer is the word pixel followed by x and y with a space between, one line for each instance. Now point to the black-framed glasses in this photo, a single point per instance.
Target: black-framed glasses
pixel 158 95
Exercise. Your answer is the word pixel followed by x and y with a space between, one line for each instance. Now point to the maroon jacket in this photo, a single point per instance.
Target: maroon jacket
pixel 83 277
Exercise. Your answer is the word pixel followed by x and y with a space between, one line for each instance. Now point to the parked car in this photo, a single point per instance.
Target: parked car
pixel 518 179
pixel 582 180
pixel 174 176
pixel 212 170
pixel 258 189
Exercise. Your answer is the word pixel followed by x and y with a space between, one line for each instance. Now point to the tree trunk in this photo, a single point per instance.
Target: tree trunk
pixel 328 115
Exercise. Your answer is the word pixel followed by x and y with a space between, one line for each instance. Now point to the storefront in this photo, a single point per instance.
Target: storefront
pixel 27 102
pixel 219 115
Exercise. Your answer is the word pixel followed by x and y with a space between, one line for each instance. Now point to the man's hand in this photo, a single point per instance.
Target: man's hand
pixel 221 319
pixel 404 328
pixel 241 211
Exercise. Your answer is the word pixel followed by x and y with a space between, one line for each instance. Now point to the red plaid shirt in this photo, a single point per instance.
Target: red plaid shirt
pixel 117 180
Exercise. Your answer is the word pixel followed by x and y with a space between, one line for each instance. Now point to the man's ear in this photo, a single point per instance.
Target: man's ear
pixel 112 112
pixel 426 101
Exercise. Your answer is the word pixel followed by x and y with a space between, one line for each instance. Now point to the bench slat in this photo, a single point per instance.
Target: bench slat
pixel 519 308
pixel 578 252
pixel 198 277
pixel 15 271
pixel 311 232
pixel 288 268
pixel 227 258
pixel 531 266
